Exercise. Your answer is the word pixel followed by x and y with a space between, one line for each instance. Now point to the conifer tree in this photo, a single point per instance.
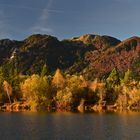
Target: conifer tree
pixel 58 79
pixel 114 78
pixel 44 70
pixel 127 77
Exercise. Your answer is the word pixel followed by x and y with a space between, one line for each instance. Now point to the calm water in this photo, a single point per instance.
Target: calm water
pixel 69 126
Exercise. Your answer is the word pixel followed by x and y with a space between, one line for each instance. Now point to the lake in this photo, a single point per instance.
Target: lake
pixel 70 126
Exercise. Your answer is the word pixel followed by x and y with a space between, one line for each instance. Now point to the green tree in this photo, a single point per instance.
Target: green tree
pixel 127 77
pixel 1 77
pixel 44 70
pixel 111 96
pixel 113 79
pixel 112 82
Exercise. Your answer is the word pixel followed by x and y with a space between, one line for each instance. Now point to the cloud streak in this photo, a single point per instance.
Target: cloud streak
pixel 41 25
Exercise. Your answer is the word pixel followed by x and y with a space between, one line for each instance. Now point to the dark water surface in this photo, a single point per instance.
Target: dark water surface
pixel 70 126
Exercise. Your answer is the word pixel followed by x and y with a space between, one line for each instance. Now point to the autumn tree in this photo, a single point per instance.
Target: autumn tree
pixel 58 79
pixel 98 87
pixel 75 90
pixel 37 91
pixel 9 73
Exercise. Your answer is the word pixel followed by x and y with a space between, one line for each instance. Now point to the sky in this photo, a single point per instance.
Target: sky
pixel 69 18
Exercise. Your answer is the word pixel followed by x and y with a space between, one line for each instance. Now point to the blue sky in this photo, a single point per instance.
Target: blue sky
pixel 68 18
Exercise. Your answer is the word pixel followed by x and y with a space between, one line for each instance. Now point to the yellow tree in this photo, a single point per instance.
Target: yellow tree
pixel 37 91
pixel 99 87
pixel 58 79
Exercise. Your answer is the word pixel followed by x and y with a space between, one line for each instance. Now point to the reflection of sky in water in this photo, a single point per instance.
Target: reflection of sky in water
pixel 63 126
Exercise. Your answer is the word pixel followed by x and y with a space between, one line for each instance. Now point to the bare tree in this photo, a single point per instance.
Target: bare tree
pixel 8 89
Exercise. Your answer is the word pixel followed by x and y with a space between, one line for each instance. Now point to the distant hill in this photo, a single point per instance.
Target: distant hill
pixel 90 55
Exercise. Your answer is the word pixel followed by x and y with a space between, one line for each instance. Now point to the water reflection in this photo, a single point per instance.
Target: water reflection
pixel 77 126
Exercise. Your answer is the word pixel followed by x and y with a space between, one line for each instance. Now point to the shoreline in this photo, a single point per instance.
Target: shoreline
pixel 25 107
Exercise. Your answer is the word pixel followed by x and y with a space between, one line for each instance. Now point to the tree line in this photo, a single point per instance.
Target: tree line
pixel 63 91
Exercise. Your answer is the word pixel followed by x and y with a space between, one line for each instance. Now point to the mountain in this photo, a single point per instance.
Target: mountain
pixel 90 55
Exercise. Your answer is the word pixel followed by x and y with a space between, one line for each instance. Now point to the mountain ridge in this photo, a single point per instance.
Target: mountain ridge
pixel 89 55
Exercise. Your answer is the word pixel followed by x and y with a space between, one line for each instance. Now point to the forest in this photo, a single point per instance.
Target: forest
pixel 62 91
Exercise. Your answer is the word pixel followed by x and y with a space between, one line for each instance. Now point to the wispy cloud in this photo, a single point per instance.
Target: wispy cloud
pixel 8 30
pixel 41 26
